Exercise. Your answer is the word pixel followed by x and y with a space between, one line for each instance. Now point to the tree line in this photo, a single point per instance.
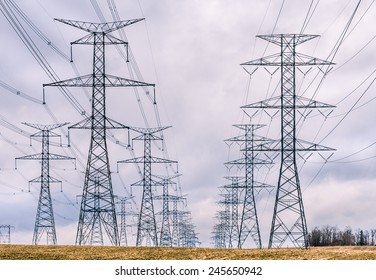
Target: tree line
pixel 332 236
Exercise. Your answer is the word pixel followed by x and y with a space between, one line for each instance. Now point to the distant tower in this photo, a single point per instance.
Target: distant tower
pixel 166 237
pixel 44 222
pixel 251 143
pixel 97 205
pixel 124 201
pixel 5 234
pixel 224 219
pixel 176 217
pixel 289 221
pixel 234 188
pixel 188 235
pixel 147 228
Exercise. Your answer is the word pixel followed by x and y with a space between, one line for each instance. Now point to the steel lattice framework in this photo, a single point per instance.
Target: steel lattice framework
pixel 45 222
pixel 249 224
pixel 176 219
pixel 188 236
pixel 5 234
pixel 97 206
pixel 147 228
pixel 234 188
pixel 166 237
pixel 289 222
pixel 224 217
pixel 123 221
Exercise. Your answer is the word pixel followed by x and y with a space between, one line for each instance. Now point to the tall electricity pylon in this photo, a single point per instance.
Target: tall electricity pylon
pixel 289 221
pixel 234 188
pixel 5 234
pixel 123 220
pixel 249 224
pixel 97 205
pixel 166 237
pixel 147 228
pixel 188 235
pixel 224 219
pixel 176 219
pixel 45 222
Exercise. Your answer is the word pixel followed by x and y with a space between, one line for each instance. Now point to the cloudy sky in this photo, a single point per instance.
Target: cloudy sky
pixel 192 51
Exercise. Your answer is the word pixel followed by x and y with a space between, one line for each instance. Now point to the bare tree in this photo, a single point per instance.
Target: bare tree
pixel 347 238
pixel 315 237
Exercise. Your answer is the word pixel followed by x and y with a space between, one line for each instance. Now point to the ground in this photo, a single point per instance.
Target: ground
pixel 45 252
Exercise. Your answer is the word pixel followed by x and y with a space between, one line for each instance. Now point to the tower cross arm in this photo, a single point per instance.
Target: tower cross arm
pixel 167 179
pixel 275 103
pixel 242 138
pixel 114 81
pixel 141 183
pixel 45 127
pixel 151 130
pixel 90 40
pixel 151 160
pixel 99 27
pixel 279 39
pixel 41 157
pixel 275 60
pixel 109 81
pixel 49 179
pixel 270 60
pixel 243 161
pixel 306 60
pixel 87 124
pixel 302 146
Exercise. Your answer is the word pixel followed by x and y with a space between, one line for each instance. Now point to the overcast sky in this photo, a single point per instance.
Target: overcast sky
pixel 192 51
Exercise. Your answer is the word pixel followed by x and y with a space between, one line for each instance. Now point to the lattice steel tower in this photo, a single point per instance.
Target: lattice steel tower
pixel 147 228
pixel 97 205
pixel 45 222
pixel 176 219
pixel 249 224
pixel 5 234
pixel 289 221
pixel 123 219
pixel 166 237
pixel 234 188
pixel 224 219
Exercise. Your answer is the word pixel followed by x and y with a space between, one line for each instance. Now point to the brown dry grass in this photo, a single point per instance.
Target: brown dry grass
pixel 29 252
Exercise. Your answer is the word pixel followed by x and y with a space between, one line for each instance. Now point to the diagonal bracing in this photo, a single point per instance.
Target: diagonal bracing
pixel 147 228
pixel 44 221
pixel 249 223
pixel 97 212
pixel 289 222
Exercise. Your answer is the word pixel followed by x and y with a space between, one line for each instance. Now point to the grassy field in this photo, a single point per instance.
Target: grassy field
pixel 30 252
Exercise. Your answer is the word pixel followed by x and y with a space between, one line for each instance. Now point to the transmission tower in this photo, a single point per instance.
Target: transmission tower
pixel 226 231
pixel 44 222
pixel 176 218
pixel 97 205
pixel 224 217
pixel 289 221
pixel 249 224
pixel 218 234
pixel 166 237
pixel 5 234
pixel 123 219
pixel 234 188
pixel 146 225
pixel 188 237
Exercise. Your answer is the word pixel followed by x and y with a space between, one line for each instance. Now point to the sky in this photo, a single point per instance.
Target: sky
pixel 192 51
